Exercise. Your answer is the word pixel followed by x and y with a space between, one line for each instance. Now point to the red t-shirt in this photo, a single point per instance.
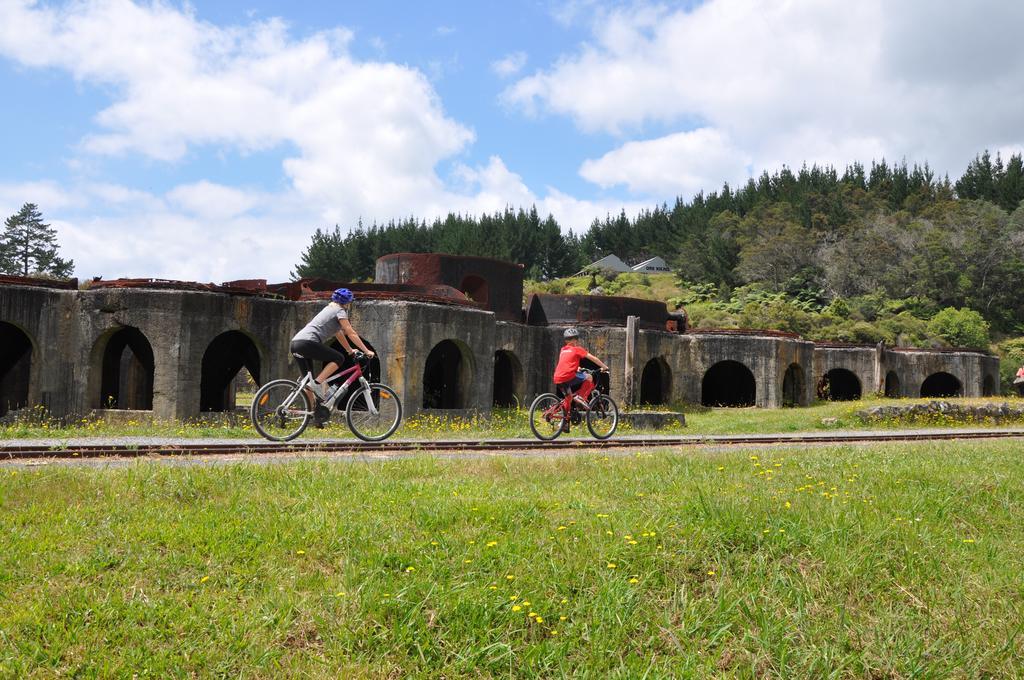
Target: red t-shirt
pixel 568 363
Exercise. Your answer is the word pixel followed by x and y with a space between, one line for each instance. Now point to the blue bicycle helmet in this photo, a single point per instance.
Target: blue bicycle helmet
pixel 342 296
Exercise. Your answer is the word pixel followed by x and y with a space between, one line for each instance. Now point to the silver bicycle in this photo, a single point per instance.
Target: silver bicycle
pixel 282 409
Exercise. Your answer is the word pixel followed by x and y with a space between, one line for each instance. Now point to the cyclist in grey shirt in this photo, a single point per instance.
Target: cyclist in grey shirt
pixel 331 322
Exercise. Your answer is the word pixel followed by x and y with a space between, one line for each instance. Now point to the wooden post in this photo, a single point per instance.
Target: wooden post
pixel 629 386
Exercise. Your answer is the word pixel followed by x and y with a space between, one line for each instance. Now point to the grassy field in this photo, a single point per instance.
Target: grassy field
pixel 880 562
pixel 504 423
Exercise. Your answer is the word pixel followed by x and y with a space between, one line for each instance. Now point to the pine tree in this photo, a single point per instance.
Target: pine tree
pixel 28 246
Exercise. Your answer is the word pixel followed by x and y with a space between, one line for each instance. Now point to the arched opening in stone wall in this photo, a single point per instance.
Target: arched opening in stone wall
pixel 988 386
pixel 793 386
pixel 447 377
pixel 127 371
pixel 839 384
pixel 655 382
pixel 475 288
pixel 892 385
pixel 15 367
pixel 231 364
pixel 728 383
pixel 508 379
pixel 941 384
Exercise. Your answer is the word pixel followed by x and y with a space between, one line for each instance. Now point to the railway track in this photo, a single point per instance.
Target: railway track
pixel 25 450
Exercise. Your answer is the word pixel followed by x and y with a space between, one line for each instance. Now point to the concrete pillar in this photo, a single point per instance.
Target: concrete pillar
pixel 879 386
pixel 629 382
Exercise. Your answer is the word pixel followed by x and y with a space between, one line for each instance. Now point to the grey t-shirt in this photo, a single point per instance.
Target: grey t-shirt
pixel 324 325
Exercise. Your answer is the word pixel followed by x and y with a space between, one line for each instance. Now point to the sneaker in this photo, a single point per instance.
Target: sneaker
pixel 319 389
pixel 565 426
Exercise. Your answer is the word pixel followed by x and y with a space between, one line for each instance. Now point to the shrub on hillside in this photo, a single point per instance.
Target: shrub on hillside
pixel 1011 357
pixel 960 328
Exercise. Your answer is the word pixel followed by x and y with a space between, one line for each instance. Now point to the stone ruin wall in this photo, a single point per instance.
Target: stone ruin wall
pixel 175 351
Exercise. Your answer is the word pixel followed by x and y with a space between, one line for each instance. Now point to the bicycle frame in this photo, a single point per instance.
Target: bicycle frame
pixel 355 373
pixel 570 396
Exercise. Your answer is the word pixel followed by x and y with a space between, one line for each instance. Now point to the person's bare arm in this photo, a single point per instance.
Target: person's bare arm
pixel 591 357
pixel 346 328
pixel 344 342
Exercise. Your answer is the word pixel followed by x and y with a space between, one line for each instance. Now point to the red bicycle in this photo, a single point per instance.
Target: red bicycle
pixel 550 415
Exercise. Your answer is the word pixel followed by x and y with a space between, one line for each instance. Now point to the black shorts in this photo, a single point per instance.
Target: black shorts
pixel 306 351
pixel 563 388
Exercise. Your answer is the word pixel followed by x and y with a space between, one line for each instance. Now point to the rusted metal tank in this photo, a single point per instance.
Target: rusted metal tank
pixel 496 285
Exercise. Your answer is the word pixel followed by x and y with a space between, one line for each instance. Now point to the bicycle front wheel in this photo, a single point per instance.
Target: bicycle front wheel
pixel 603 417
pixel 379 422
pixel 546 417
pixel 280 411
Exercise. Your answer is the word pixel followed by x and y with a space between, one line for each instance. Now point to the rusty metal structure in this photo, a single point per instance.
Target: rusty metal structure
pixel 494 284
pixel 61 284
pixel 230 288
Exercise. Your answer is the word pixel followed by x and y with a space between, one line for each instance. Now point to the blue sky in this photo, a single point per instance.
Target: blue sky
pixel 206 141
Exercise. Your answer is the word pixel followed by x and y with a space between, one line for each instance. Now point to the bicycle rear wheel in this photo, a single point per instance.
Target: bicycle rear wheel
pixel 280 411
pixel 603 417
pixel 370 426
pixel 546 417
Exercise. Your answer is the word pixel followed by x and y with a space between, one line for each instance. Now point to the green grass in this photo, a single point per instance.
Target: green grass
pixel 824 416
pixel 507 423
pixel 888 561
pixel 659 287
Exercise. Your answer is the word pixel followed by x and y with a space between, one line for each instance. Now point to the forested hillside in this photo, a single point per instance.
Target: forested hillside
pixel 864 244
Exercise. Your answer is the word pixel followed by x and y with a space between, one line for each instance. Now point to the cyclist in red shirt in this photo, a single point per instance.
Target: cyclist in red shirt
pixel 568 376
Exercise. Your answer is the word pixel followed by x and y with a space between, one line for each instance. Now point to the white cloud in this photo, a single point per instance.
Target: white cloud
pixel 786 82
pixel 365 134
pixel 363 138
pixel 46 194
pixel 510 64
pixel 678 164
pixel 568 12
pixel 173 245
pixel 577 214
pixel 213 202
